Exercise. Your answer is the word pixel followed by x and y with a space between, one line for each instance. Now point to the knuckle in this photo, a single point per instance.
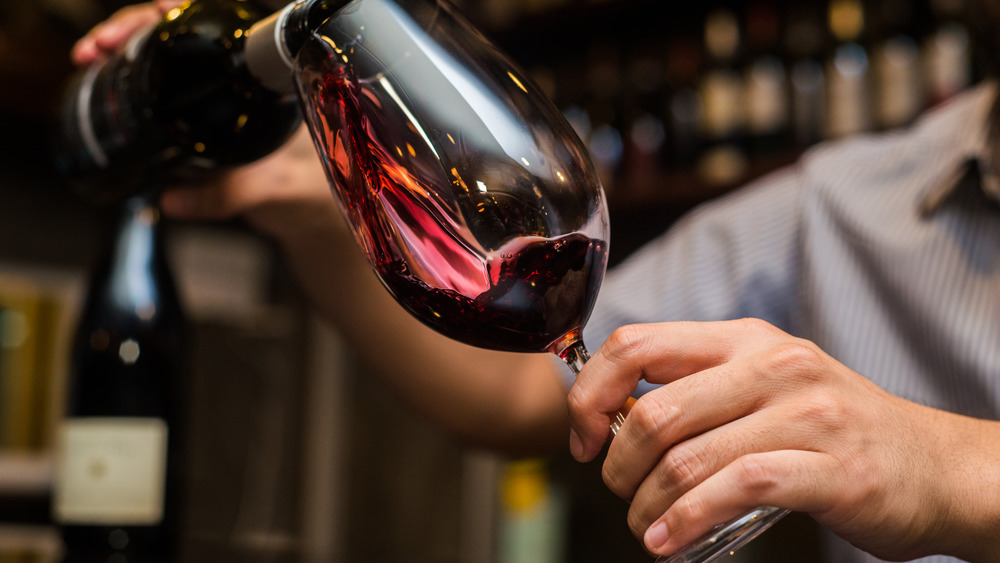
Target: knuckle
pixel 652 419
pixel 683 468
pixel 623 342
pixel 823 412
pixel 755 476
pixel 688 508
pixel 614 480
pixel 794 356
pixel 753 324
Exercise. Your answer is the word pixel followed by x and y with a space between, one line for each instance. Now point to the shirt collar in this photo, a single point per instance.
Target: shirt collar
pixel 979 155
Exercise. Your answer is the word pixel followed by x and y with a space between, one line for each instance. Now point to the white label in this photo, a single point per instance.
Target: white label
pixel 111 471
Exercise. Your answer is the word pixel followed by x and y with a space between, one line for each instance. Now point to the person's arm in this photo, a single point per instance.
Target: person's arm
pixel 750 416
pixel 512 402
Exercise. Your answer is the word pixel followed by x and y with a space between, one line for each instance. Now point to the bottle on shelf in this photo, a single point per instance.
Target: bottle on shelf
pixel 723 158
pixel 898 81
pixel 644 124
pixel 176 97
pixel 682 104
pixel 848 90
pixel 947 51
pixel 571 98
pixel 532 514
pixel 805 41
pixel 604 113
pixel 768 113
pixel 119 453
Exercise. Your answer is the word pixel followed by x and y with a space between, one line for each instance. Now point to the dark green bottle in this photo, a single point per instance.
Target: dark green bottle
pixel 174 99
pixel 120 454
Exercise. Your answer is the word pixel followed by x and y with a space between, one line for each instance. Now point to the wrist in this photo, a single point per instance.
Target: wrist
pixel 970 455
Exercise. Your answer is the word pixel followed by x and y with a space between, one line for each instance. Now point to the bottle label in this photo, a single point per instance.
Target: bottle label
pixel 112 471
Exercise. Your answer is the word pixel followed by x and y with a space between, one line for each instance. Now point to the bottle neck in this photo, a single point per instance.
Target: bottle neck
pixel 137 249
pixel 273 43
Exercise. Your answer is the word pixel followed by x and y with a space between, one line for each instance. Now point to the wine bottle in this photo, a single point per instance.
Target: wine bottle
pixel 723 159
pixel 899 84
pixel 116 496
pixel 768 112
pixel 849 97
pixel 645 130
pixel 604 110
pixel 805 41
pixel 948 51
pixel 683 107
pixel 175 98
pixel 532 514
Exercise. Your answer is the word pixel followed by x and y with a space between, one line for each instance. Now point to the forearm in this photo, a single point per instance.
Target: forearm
pixel 511 402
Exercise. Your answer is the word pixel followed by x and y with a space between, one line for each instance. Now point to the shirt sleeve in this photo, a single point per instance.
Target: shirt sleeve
pixel 734 257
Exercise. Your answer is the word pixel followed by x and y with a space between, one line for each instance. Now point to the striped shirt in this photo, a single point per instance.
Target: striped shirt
pixel 883 249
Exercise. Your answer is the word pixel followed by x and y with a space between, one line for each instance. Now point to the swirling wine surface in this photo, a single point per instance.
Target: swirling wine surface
pixel 483 266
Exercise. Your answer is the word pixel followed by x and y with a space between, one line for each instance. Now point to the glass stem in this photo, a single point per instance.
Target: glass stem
pixel 575 355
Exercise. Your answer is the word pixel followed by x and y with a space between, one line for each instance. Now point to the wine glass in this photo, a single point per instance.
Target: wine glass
pixel 471 196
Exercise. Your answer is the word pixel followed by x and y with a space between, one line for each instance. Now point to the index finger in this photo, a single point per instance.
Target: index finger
pixel 106 36
pixel 658 353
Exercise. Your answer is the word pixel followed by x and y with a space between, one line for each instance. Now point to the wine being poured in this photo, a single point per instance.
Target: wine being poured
pixel 479 215
pixel 472 198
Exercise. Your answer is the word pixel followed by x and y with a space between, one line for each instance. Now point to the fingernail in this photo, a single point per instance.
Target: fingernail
pixel 575 444
pixel 656 536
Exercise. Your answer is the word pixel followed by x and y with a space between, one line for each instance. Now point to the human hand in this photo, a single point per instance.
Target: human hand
pixel 750 416
pixel 106 36
pixel 284 195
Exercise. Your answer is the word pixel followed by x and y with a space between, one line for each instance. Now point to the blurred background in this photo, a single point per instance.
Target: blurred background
pixel 296 455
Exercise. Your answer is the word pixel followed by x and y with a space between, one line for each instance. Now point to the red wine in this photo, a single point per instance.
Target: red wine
pixel 538 295
pixel 465 240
